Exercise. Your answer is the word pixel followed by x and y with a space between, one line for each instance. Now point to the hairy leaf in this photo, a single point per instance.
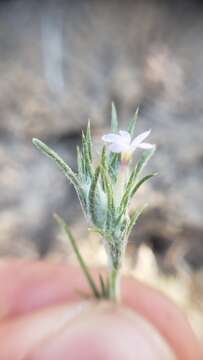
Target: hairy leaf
pixel 144 160
pixel 127 193
pixel 59 162
pixel 78 255
pixel 89 141
pixel 104 287
pixel 137 186
pixel 104 163
pixel 132 124
pixel 114 162
pixel 86 158
pixel 114 118
pixel 92 197
pixel 79 163
pixel 110 198
pixel 134 217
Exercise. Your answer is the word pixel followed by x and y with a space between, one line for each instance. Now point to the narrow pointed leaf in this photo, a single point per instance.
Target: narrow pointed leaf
pixel 104 158
pixel 110 198
pixel 79 162
pixel 134 217
pixel 107 288
pixel 104 163
pixel 127 194
pixel 132 124
pixel 102 285
pixel 96 231
pixel 131 188
pixel 89 140
pixel 58 160
pixel 131 180
pixel 144 160
pixel 92 197
pixel 104 289
pixel 86 158
pixel 144 179
pixel 82 263
pixel 114 161
pixel 114 118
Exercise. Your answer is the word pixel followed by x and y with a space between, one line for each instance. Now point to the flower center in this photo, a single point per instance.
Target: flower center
pixel 126 157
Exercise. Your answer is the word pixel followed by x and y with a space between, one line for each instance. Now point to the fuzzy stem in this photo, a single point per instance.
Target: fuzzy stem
pixel 114 285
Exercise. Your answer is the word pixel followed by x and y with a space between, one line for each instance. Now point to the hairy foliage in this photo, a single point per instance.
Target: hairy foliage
pixel 96 183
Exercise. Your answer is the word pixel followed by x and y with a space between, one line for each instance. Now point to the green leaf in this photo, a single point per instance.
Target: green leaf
pixel 139 183
pixel 59 162
pixel 104 287
pixel 96 231
pixel 86 158
pixel 131 189
pixel 134 217
pixel 131 180
pixel 114 162
pixel 92 197
pixel 132 124
pixel 110 198
pixel 131 186
pixel 79 163
pixel 127 193
pixel 104 158
pixel 114 118
pixel 82 263
pixel 144 160
pixel 89 140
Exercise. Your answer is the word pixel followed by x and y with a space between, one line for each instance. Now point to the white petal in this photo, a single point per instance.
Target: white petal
pixel 139 139
pixel 112 138
pixel 126 136
pixel 145 146
pixel 118 148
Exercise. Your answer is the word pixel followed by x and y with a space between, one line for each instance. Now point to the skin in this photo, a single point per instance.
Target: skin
pixel 42 316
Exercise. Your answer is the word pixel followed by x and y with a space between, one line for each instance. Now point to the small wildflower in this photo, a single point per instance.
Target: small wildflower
pixel 123 143
pixel 105 190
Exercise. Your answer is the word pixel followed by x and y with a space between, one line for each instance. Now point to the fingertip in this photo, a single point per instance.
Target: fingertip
pixel 168 319
pixel 105 332
pixel 26 286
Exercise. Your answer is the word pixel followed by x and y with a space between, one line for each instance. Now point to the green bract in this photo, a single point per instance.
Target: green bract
pixel 105 191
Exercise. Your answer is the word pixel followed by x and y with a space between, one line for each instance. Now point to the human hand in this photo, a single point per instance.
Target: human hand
pixel 42 316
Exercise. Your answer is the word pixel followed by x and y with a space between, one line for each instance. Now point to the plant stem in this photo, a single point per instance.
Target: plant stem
pixel 114 285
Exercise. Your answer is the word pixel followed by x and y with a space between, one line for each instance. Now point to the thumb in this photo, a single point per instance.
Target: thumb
pixel 104 331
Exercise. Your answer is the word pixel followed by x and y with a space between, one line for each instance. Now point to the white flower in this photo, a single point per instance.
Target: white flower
pixel 122 142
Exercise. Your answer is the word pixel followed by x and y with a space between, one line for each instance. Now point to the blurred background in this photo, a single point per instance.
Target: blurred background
pixel 62 62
